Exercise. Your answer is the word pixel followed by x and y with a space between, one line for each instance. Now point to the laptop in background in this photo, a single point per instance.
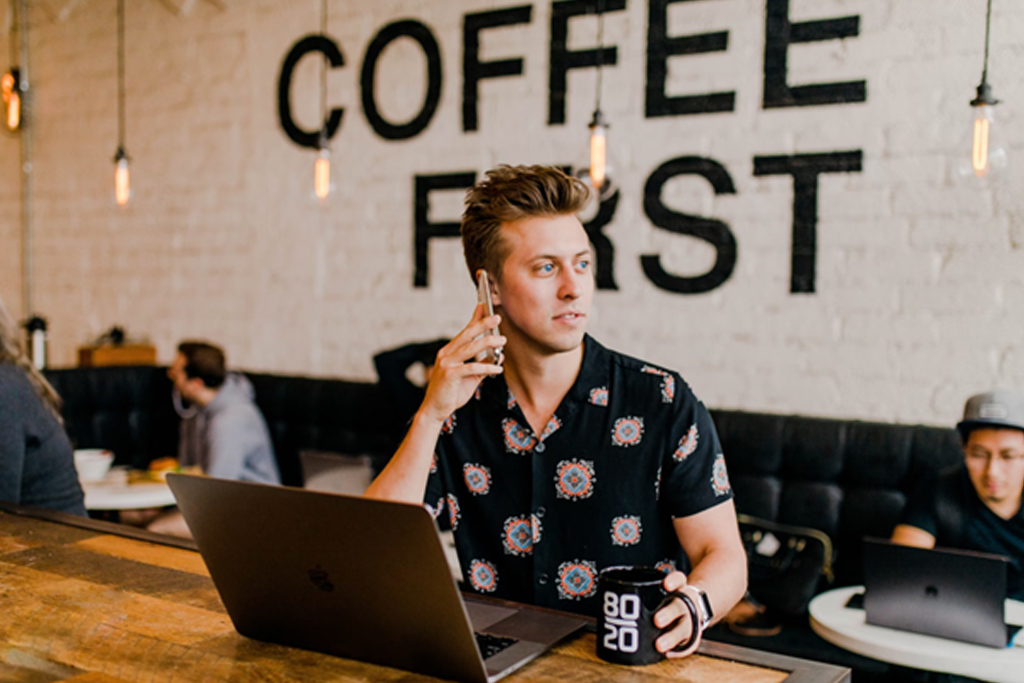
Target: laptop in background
pixel 955 594
pixel 357 578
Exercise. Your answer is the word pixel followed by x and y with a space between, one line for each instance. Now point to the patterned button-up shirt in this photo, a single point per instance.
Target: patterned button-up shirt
pixel 537 515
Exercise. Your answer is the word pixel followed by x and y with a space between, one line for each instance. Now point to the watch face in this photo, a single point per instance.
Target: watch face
pixel 709 613
pixel 705 606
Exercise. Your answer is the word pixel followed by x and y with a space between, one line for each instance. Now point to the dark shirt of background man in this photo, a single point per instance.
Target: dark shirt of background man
pixel 392 368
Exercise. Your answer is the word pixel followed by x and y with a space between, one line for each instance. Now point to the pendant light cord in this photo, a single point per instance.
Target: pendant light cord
pixel 323 78
pixel 600 53
pixel 120 75
pixel 14 30
pixel 988 28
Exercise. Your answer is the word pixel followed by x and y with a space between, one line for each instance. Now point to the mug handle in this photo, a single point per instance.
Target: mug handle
pixel 690 645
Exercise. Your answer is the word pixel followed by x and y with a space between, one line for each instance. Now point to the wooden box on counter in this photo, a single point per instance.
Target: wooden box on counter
pixel 121 354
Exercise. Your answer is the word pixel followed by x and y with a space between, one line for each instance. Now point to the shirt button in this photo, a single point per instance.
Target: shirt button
pixel 542 579
pixel 540 447
pixel 540 511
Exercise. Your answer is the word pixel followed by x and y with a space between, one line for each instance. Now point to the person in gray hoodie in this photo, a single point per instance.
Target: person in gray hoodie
pixel 222 430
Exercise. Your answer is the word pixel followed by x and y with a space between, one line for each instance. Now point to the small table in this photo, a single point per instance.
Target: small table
pixel 113 492
pixel 845 626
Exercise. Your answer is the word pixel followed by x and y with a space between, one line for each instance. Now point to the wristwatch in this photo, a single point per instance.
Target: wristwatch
pixel 703 604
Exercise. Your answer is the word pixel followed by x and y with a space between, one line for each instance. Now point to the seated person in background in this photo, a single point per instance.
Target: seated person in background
pixel 977 505
pixel 37 467
pixel 571 457
pixel 393 369
pixel 222 431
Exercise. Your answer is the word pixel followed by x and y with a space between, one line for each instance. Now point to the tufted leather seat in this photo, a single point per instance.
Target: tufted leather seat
pixel 125 409
pixel 847 478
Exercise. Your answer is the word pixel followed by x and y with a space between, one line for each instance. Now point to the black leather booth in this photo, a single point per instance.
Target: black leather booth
pixel 129 410
pixel 847 478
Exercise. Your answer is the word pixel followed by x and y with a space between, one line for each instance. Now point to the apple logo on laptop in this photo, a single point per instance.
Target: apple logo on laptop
pixel 321 579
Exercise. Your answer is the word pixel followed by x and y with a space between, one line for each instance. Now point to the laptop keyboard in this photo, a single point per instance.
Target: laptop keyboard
pixel 491 645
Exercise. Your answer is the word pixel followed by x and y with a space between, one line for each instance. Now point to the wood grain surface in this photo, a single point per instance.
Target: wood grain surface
pixel 81 603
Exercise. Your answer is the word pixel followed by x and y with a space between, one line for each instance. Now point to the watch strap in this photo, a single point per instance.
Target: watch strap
pixel 703 603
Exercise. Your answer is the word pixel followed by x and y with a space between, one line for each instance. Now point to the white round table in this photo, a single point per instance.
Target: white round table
pixel 844 626
pixel 113 492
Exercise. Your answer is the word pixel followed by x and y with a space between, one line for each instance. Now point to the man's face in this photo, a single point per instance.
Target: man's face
pixel 546 286
pixel 185 386
pixel 995 462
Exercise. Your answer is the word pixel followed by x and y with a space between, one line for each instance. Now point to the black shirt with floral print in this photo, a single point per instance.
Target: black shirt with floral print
pixel 536 516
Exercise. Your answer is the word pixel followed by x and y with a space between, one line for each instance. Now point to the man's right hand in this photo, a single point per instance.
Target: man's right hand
pixel 456 372
pixel 453 380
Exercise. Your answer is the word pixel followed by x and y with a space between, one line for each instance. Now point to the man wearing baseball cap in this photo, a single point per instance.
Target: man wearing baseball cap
pixel 977 505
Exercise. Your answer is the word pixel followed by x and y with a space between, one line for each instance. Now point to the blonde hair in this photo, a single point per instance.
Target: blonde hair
pixel 11 352
pixel 511 193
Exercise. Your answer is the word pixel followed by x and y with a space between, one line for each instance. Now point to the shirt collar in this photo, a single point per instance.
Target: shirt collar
pixel 594 371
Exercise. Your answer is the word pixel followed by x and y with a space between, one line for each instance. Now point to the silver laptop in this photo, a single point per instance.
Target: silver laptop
pixel 357 578
pixel 954 594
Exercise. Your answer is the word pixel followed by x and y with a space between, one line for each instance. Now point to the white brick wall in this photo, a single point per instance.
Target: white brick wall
pixel 920 279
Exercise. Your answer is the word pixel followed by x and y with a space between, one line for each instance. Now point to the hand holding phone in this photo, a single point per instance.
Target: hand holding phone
pixel 483 295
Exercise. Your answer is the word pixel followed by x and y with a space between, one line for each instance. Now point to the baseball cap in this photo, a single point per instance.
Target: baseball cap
pixel 997 408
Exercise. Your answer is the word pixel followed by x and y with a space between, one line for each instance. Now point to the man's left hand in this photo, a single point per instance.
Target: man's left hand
pixel 673 614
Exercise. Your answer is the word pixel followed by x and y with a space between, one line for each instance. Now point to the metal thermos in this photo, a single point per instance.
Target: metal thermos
pixel 36 327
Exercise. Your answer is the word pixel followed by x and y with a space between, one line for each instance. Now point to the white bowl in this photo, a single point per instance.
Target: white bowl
pixel 92 463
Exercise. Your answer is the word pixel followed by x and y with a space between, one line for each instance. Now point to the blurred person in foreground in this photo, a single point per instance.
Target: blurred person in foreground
pixel 977 504
pixel 570 457
pixel 37 466
pixel 222 431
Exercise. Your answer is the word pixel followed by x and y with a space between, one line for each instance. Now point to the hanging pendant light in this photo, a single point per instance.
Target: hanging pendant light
pixel 986 159
pixel 598 172
pixel 322 167
pixel 122 180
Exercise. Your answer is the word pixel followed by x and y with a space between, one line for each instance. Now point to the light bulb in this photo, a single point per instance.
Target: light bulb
pixel 14 112
pixel 122 182
pixel 322 174
pixel 598 157
pixel 987 156
pixel 598 171
pixel 12 100
pixel 980 157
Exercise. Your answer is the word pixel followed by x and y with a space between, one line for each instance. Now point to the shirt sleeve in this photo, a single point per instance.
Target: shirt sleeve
pixel 694 476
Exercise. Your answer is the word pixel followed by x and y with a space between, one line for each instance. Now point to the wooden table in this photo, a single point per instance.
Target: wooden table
pixel 86 601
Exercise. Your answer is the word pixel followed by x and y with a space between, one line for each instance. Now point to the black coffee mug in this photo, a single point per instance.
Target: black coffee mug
pixel 628 599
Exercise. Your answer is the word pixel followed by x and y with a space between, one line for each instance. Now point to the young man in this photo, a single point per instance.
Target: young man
pixel 569 458
pixel 977 505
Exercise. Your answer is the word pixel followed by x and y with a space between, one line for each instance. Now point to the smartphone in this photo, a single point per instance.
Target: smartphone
pixel 483 296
